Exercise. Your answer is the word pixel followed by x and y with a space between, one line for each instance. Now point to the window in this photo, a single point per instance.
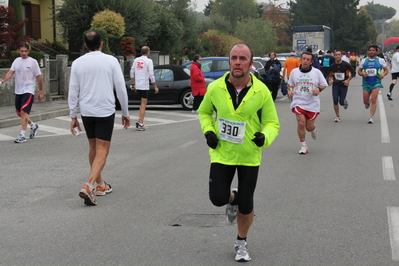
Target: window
pixel 32 12
pixel 163 75
pixel 222 65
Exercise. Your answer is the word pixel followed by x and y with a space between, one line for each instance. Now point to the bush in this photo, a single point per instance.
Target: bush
pixel 113 23
pixel 5 63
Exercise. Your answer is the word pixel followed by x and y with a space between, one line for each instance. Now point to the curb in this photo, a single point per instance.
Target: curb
pixel 35 117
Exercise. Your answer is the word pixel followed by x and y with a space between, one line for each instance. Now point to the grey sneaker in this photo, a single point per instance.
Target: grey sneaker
pixel 346 105
pixel 241 250
pixel 20 139
pixel 33 131
pixel 389 95
pixel 231 210
pixel 315 134
pixel 367 105
pixel 140 127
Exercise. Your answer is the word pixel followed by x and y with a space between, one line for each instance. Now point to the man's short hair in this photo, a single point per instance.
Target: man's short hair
pixel 397 47
pixel 243 44
pixel 24 45
pixel 307 53
pixel 375 46
pixel 145 50
pixel 92 40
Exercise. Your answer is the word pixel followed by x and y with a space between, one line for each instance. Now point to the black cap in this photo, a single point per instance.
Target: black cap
pixel 309 49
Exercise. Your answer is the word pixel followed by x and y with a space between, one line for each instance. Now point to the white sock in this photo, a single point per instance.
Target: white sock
pixel 303 143
pixel 32 125
pixel 23 132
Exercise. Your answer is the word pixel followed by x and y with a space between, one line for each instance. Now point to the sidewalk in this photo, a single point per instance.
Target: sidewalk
pixel 40 111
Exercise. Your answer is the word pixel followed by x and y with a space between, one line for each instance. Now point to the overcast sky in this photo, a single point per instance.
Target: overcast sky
pixel 391 3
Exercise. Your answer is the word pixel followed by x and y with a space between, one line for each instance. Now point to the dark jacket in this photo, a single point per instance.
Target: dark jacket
pixel 273 75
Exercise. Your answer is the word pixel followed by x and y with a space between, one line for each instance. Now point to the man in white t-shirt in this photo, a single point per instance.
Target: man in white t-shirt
pixel 27 72
pixel 91 87
pixel 394 72
pixel 305 85
pixel 141 72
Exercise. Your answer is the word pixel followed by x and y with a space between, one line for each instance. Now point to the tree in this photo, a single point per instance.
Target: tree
pixel 339 15
pixel 113 23
pixel 75 17
pixel 9 32
pixel 280 21
pixel 379 14
pixel 225 42
pixel 259 34
pixel 364 33
pixel 234 11
pixel 16 5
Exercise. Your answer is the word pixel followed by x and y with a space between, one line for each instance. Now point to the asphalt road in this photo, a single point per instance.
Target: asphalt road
pixel 337 205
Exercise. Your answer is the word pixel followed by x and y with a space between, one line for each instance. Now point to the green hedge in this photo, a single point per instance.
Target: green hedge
pixel 5 63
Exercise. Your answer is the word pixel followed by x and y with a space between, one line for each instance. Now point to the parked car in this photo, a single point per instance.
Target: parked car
pixel 216 67
pixel 173 82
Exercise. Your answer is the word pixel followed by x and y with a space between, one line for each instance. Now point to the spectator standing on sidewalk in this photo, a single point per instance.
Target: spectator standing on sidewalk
pixel 27 72
pixel 246 121
pixel 197 82
pixel 143 70
pixel 93 79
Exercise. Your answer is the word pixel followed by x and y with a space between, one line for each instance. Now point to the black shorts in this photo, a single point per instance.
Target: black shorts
pixel 23 102
pixel 143 93
pixel 395 75
pixel 99 127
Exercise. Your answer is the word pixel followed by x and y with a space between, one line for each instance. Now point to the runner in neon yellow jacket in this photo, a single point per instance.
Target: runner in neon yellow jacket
pixel 256 113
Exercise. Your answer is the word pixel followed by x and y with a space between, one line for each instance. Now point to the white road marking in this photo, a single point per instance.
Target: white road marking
pixel 388 168
pixel 6 137
pixel 188 144
pixel 384 123
pixel 393 223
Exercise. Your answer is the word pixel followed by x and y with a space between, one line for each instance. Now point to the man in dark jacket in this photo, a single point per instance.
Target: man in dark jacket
pixel 326 61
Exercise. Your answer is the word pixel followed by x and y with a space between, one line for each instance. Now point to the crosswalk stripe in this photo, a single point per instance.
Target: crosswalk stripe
pixel 5 137
pixel 55 130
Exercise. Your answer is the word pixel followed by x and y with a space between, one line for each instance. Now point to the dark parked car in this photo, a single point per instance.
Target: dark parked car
pixel 215 67
pixel 173 82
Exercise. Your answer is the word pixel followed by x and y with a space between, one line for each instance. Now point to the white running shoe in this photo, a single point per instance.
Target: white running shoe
pixel 241 250
pixel 315 134
pixel 303 150
pixel 231 210
pixel 337 119
pixel 371 120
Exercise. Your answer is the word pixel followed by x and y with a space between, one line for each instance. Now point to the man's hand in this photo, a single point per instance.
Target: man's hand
pixel 125 121
pixel 40 96
pixel 74 123
pixel 259 139
pixel 156 89
pixel 211 139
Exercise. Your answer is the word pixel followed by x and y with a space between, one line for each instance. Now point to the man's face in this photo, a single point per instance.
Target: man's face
pixel 23 52
pixel 372 52
pixel 306 61
pixel 338 56
pixel 240 61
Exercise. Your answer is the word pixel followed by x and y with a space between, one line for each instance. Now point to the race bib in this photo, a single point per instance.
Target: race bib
pixel 305 89
pixel 371 72
pixel 231 131
pixel 339 76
